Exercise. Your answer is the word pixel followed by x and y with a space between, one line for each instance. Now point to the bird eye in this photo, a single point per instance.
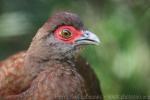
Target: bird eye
pixel 66 33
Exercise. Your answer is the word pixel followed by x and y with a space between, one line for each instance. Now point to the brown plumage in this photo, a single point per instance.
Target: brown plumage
pixel 51 68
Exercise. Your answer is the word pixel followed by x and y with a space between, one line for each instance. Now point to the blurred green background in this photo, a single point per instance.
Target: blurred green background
pixel 121 62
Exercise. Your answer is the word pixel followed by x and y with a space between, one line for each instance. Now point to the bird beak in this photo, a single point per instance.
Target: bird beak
pixel 88 38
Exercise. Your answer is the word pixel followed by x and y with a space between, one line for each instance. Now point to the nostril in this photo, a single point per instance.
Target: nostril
pixel 87 33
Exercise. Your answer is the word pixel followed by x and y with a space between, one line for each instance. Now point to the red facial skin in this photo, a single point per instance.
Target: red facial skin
pixel 75 34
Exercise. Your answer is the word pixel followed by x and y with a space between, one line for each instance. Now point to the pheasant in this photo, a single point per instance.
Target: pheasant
pixel 52 68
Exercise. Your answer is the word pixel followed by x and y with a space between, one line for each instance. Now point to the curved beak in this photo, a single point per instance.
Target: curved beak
pixel 88 38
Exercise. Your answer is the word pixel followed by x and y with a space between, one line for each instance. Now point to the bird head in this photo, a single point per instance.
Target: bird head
pixel 61 37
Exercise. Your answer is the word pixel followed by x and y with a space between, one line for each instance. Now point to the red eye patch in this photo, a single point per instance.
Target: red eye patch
pixel 67 34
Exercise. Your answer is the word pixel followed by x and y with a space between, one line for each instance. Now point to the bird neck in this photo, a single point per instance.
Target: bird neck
pixel 36 62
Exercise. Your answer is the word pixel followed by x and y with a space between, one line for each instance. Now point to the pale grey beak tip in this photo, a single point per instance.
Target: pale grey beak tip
pixel 88 38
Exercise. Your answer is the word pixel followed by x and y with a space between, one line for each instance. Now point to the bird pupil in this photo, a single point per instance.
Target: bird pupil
pixel 66 34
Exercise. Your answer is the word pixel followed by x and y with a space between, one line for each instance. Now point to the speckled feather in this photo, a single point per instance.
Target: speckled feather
pixel 12 73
